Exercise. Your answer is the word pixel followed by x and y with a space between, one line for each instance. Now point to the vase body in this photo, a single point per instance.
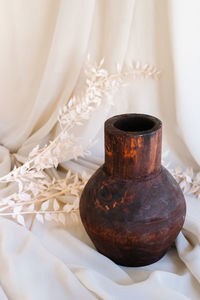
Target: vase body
pixel 132 208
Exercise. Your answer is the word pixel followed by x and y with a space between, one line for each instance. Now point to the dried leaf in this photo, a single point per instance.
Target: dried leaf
pixel 24 196
pixel 182 184
pixel 31 207
pixel 56 205
pixel 11 202
pixel 47 217
pixel 40 218
pixel 70 103
pixel 101 62
pixel 34 151
pixel 20 185
pixel 61 218
pixel 17 209
pixel 68 207
pixel 74 217
pixel 45 205
pixel 20 220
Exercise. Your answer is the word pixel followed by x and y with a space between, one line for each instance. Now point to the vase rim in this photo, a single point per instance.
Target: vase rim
pixel 133 124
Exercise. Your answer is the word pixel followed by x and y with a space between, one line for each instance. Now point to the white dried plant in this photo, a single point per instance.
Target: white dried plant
pixel 52 199
pixel 44 198
pixel 188 180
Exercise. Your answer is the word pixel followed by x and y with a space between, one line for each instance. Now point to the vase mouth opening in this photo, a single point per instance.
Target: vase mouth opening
pixel 137 123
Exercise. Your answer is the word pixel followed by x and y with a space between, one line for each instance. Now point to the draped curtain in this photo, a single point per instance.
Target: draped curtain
pixel 43 50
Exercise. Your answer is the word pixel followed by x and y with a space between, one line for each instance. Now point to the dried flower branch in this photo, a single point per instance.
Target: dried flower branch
pixel 37 193
pixel 189 181
pixel 46 204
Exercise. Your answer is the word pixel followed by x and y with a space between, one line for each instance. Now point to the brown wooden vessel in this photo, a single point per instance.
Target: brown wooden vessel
pixel 132 208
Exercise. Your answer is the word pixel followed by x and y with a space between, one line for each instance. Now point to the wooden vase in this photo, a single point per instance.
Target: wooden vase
pixel 132 208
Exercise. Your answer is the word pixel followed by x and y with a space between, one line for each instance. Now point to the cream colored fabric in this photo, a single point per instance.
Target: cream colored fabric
pixel 44 45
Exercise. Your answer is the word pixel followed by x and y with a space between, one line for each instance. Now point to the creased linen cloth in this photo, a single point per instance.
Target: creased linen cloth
pixel 54 262
pixel 44 45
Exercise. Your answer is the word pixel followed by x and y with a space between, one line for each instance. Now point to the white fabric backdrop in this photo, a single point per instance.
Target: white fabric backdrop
pixel 44 45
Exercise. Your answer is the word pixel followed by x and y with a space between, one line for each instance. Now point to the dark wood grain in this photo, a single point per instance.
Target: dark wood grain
pixel 132 208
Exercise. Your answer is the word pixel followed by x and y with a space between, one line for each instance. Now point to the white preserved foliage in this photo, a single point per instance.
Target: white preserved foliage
pixel 42 197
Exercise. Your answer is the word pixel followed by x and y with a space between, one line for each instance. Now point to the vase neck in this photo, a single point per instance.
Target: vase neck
pixel 133 146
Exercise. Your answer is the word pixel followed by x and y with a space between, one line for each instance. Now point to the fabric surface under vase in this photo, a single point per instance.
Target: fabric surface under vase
pixel 60 262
